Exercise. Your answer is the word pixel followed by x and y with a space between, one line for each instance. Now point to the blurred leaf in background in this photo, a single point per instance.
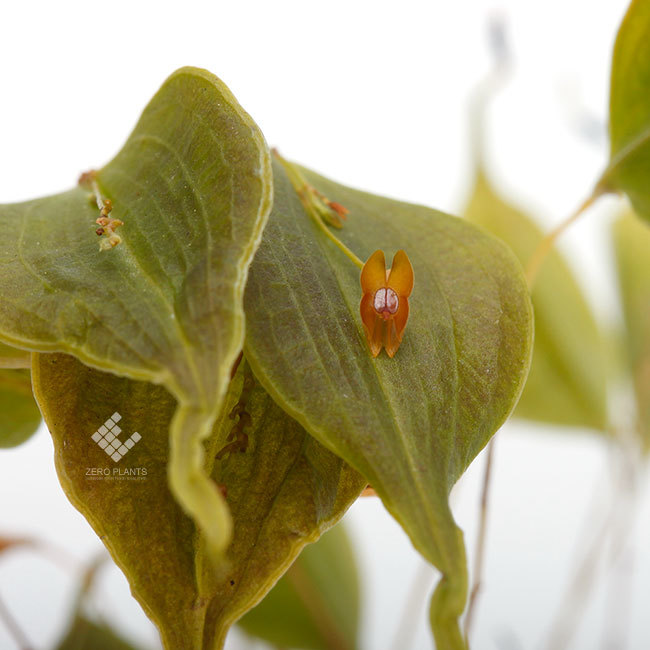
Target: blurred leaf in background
pixel 632 248
pixel 85 634
pixel 316 604
pixel 19 414
pixel 629 110
pixel 568 376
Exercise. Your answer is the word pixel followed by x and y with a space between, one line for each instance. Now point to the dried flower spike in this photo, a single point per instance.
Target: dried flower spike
pixel 107 225
pixel 384 305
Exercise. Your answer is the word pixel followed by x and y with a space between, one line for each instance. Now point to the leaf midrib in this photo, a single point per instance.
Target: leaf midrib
pixel 410 464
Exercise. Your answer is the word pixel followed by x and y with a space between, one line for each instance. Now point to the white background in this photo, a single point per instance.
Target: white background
pixel 373 94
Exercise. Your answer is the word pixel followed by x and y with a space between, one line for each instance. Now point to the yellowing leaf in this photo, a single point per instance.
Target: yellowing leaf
pixel 567 380
pixel 632 246
pixel 629 110
pixel 19 414
pixel 192 187
pixel 283 492
pixel 411 424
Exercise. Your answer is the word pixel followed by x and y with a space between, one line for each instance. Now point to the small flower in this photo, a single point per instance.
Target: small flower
pixel 384 305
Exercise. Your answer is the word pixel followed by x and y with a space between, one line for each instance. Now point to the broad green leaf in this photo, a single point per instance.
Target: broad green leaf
pixel 411 424
pixel 315 605
pixel 19 414
pixel 629 110
pixel 567 380
pixel 283 492
pixel 632 246
pixel 85 634
pixel 192 186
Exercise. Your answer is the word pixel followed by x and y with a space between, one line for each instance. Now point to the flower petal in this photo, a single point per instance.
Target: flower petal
pixel 376 340
pixel 391 341
pixel 368 314
pixel 400 278
pixel 373 273
pixel 400 318
pixel 371 324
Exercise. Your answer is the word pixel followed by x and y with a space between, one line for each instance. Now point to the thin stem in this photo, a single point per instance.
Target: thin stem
pixel 13 627
pixel 480 542
pixel 304 189
pixel 618 605
pixel 56 554
pixel 545 246
pixel 486 90
pixel 98 195
pixel 88 578
pixel 340 244
pixel 582 583
pixel 622 553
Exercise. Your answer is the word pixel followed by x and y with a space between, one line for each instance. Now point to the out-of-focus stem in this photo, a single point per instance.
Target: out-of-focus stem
pixel 14 629
pixel 545 246
pixel 480 542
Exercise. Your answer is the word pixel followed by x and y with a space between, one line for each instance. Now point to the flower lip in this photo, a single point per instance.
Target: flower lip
pixel 386 302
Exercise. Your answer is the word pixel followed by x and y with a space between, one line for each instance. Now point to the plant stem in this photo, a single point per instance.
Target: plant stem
pixel 621 556
pixel 480 542
pixel 545 246
pixel 56 554
pixel 304 190
pixel 14 628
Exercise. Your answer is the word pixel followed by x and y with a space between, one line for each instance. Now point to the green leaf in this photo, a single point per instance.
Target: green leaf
pixel 629 110
pixel 19 414
pixel 85 634
pixel 567 380
pixel 411 424
pixel 632 246
pixel 283 492
pixel 315 605
pixel 192 186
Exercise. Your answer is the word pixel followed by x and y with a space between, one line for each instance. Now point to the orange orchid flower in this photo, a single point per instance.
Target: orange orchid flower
pixel 384 305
